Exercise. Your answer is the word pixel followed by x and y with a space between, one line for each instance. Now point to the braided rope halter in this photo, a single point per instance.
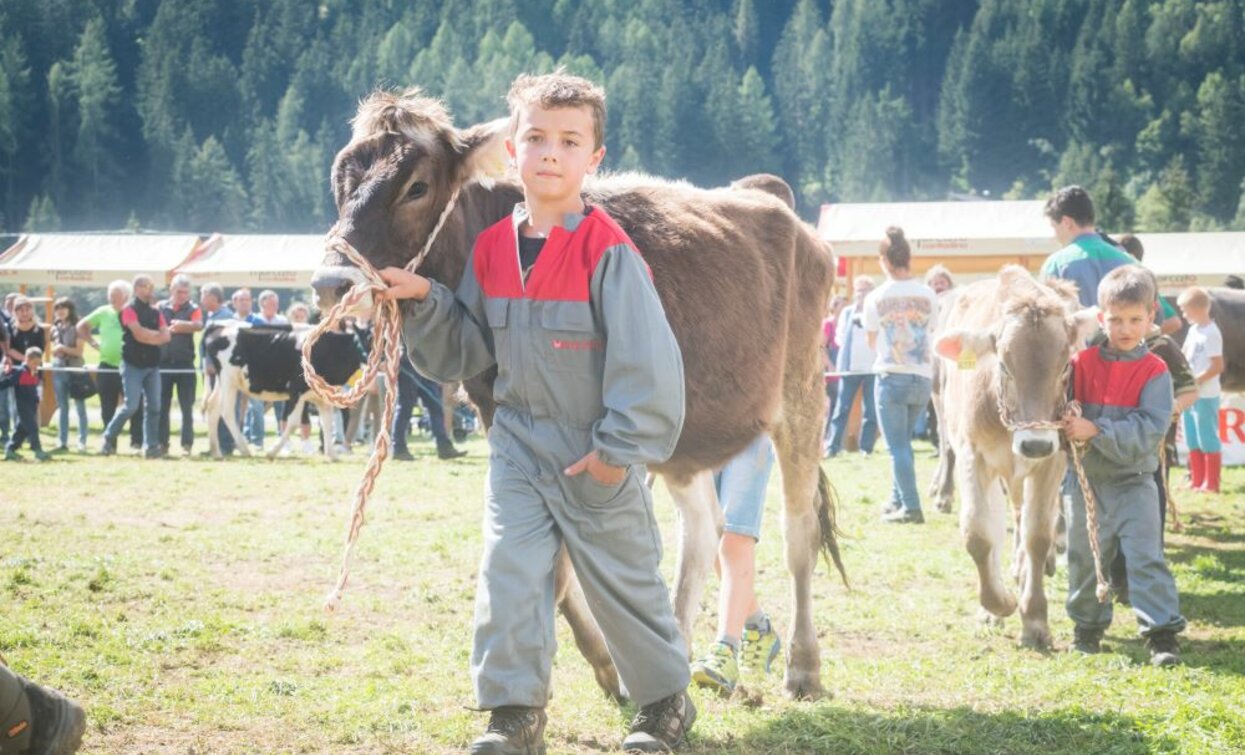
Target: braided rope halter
pixel 1070 408
pixel 386 342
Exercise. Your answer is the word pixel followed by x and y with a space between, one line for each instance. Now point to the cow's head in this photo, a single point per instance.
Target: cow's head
pixel 392 181
pixel 1031 348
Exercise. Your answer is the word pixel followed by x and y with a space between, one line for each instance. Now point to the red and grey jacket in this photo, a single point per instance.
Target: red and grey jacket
pixel 1128 395
pixel 584 341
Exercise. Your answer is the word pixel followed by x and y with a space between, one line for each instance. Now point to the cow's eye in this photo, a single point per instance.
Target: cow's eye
pixel 417 190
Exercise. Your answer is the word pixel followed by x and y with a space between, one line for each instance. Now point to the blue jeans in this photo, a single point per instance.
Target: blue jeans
pixel 414 387
pixel 741 486
pixel 1201 425
pixel 253 426
pixel 901 400
pixel 60 384
pixel 843 408
pixel 140 384
pixel 6 395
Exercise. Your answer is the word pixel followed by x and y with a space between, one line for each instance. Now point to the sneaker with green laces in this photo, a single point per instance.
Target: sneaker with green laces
pixel 717 670
pixel 759 648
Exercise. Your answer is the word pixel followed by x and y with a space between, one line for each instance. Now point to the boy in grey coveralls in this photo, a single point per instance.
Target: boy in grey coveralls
pixel 589 389
pixel 1126 400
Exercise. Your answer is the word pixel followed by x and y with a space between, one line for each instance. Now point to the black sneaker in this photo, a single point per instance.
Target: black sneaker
pixel 1164 650
pixel 59 722
pixel 661 726
pixel 109 448
pixel 448 451
pixel 402 455
pixel 1087 641
pixel 904 516
pixel 512 730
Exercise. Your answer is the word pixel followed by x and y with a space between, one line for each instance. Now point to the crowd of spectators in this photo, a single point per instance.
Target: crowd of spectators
pixel 150 349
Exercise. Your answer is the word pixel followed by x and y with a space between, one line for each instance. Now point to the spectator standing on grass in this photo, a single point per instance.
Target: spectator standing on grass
pixel 1203 347
pixel 856 357
pixel 253 416
pixel 145 332
pixel 900 317
pixel 106 320
pixel 27 331
pixel 412 388
pixel 25 381
pixel 300 314
pixel 829 353
pixel 177 360
pixel 67 352
pixel 270 314
pixel 6 394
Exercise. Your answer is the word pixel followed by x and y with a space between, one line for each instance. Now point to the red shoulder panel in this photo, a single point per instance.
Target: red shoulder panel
pixel 497 261
pixel 1108 383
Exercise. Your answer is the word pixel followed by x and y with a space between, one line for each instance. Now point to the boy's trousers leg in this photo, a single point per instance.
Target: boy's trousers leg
pixel 615 547
pixel 513 647
pixel 1083 606
pixel 1152 590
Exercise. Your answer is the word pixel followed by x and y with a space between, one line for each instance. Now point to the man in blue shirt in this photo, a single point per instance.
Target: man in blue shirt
pixel 1086 257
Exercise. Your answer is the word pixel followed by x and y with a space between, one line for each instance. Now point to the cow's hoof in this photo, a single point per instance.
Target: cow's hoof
pixel 802 686
pixel 943 505
pixel 988 620
pixel 1036 638
pixel 999 605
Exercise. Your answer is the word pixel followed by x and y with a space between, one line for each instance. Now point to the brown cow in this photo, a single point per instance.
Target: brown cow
pixel 743 281
pixel 1008 341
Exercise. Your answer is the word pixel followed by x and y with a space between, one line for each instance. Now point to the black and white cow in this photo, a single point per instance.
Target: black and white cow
pixel 266 363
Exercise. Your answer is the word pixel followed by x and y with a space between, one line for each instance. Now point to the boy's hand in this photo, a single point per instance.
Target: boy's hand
pixel 1079 429
pixel 606 474
pixel 404 284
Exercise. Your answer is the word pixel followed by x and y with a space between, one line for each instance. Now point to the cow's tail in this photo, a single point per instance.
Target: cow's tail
pixel 827 502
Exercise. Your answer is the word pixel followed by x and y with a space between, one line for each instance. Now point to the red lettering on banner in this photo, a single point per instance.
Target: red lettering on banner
pixel 1231 420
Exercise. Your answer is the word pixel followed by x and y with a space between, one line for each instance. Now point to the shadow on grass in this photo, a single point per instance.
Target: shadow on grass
pixel 827 729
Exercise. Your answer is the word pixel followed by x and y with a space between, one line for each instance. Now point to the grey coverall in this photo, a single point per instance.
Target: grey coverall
pixel 1128 396
pixel 586 360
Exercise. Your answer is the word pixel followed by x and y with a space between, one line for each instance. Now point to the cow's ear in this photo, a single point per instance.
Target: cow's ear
pixel 482 151
pixel 1083 325
pixel 959 343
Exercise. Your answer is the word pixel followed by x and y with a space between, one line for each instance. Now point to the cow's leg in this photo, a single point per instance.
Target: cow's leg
pixel 1037 527
pixel 983 524
pixel 588 637
pixel 807 508
pixel 229 395
pixel 211 413
pixel 700 526
pixel 289 427
pixel 942 488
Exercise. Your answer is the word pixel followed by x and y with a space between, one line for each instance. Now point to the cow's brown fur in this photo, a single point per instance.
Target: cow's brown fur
pixel 744 283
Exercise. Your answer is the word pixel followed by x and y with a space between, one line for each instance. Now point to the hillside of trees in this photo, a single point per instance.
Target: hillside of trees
pixel 203 115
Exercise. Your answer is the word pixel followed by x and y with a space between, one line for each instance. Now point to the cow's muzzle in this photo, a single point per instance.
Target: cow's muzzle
pixel 1035 444
pixel 330 284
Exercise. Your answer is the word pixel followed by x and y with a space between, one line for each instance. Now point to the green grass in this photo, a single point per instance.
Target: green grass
pixel 180 601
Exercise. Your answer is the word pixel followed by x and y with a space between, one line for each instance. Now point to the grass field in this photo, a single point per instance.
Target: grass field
pixel 180 601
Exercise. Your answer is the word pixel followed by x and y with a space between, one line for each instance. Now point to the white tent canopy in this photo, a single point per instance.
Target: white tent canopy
pixel 69 259
pixel 1193 259
pixel 940 229
pixel 258 260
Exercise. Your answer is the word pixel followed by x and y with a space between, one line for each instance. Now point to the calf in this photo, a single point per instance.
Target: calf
pixel 266 363
pixel 1008 341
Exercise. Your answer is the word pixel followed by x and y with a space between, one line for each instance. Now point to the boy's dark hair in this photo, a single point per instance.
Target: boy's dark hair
pixel 1071 202
pixel 895 249
pixel 1133 246
pixel 558 90
pixel 1129 284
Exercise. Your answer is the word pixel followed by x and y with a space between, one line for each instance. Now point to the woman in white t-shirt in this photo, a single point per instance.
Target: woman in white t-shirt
pixel 900 317
pixel 1203 347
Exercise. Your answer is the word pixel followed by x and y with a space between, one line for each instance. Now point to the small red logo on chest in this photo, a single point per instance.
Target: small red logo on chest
pixel 591 345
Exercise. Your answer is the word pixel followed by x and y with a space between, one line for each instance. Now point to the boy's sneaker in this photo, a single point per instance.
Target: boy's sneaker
pixel 1087 641
pixel 661 726
pixel 1164 650
pixel 759 648
pixel 904 516
pixel 512 730
pixel 717 670
pixel 11 455
pixel 109 448
pixel 42 456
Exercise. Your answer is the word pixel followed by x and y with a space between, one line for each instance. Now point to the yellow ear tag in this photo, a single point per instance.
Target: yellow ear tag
pixel 967 360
